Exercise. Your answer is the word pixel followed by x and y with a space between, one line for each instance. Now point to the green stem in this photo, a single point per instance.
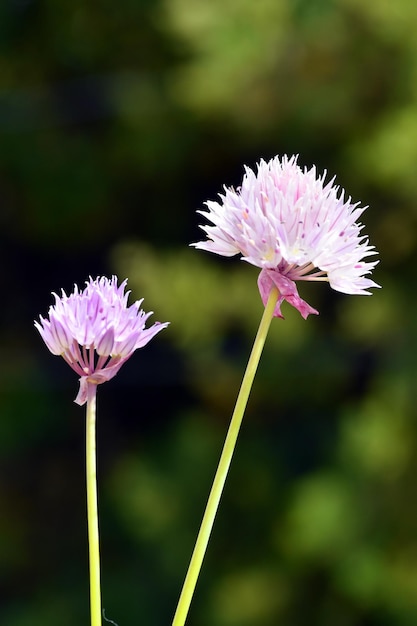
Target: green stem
pixel 224 464
pixel 92 510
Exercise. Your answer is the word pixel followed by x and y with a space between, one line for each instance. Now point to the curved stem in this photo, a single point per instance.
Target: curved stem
pixel 224 464
pixel 92 509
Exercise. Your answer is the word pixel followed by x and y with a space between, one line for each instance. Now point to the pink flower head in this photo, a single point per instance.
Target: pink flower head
pixel 294 226
pixel 95 331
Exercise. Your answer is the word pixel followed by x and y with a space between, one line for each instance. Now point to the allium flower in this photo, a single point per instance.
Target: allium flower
pixel 95 331
pixel 294 226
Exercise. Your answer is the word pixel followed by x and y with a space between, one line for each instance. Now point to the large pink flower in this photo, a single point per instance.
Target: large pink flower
pixel 294 226
pixel 95 331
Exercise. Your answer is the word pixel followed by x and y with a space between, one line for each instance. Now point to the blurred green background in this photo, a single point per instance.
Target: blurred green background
pixel 117 121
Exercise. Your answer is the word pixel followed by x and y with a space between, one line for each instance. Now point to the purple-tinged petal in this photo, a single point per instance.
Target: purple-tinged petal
pixel 149 333
pixel 42 329
pixel 127 347
pixel 49 337
pixel 104 346
pixel 60 334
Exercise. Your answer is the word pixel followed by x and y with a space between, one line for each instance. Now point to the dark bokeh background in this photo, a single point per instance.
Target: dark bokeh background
pixel 117 121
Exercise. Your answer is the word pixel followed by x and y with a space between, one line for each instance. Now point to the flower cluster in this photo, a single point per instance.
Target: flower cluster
pixel 95 331
pixel 294 226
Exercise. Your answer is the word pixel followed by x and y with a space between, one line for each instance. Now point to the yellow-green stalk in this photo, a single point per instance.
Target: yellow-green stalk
pixel 92 509
pixel 224 464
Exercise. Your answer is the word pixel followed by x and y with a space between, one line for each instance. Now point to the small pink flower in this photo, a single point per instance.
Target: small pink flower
pixel 294 226
pixel 95 331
